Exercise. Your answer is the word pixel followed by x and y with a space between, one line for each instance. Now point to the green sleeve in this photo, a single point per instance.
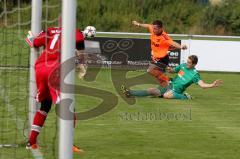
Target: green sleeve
pixel 196 78
pixel 177 69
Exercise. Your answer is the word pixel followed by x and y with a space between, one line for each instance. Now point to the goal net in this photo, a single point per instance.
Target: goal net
pixel 15 21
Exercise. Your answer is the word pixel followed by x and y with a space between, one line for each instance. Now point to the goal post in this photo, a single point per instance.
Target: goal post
pixel 36 20
pixel 67 53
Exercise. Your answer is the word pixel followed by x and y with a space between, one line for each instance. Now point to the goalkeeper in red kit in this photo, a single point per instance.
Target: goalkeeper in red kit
pixel 48 61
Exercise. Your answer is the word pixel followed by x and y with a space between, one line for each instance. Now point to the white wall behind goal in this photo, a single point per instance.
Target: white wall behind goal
pixel 214 55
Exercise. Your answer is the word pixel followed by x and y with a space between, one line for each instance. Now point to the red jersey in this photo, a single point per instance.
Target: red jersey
pixel 51 41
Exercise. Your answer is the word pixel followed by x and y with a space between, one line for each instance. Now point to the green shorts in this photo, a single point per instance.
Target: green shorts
pixel 169 87
pixel 165 89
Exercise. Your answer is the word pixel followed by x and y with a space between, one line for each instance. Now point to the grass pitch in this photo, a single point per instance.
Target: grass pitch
pixel 152 128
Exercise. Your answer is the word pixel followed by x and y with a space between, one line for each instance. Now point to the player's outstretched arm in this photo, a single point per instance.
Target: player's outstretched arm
pixel 140 25
pixel 36 41
pixel 216 83
pixel 178 46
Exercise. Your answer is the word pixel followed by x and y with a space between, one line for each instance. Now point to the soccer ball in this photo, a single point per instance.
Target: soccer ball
pixel 90 31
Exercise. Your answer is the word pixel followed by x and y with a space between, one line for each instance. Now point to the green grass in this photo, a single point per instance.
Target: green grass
pixel 210 132
pixel 204 128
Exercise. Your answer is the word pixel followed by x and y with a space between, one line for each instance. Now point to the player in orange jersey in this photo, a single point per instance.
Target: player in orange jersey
pixel 160 44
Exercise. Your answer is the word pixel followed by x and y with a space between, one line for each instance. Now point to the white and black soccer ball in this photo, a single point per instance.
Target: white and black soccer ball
pixel 90 31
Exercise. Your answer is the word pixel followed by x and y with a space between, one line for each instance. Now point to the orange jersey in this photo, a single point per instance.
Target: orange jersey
pixel 159 44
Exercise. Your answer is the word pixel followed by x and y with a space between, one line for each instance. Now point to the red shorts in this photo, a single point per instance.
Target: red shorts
pixel 48 80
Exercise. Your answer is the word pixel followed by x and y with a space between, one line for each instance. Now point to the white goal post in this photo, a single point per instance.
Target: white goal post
pixel 67 52
pixel 36 27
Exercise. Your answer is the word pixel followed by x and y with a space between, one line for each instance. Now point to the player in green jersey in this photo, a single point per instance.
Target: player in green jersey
pixel 186 76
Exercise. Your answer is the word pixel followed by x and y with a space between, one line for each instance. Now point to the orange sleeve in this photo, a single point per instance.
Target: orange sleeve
pixel 167 38
pixel 169 42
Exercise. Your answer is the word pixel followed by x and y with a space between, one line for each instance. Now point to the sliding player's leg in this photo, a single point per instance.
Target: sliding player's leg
pixel 139 93
pixel 134 93
pixel 155 92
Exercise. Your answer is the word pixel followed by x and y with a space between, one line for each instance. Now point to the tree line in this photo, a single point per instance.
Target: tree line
pixel 178 16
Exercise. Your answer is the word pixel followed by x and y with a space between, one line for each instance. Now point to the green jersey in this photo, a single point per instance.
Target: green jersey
pixel 185 77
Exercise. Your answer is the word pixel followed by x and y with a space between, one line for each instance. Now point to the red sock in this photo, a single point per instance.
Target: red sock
pixel 38 122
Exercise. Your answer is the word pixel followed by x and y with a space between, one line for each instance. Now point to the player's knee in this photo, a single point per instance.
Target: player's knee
pixel 168 95
pixel 165 95
pixel 46 105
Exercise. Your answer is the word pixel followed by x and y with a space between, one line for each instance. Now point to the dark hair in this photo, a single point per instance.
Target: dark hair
pixel 158 23
pixel 193 58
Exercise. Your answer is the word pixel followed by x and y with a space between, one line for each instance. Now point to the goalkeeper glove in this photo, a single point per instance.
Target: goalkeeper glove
pixel 30 39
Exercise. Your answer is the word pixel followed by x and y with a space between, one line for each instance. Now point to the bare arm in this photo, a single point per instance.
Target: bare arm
pixel 140 25
pixel 178 46
pixel 216 83
pixel 170 70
